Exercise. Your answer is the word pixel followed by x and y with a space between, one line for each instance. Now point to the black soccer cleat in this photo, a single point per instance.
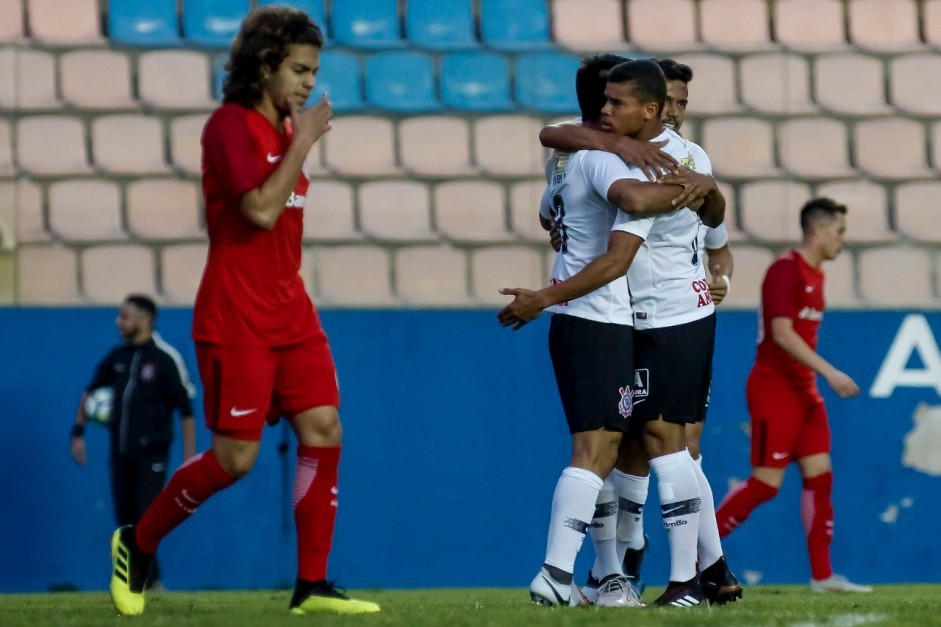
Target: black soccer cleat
pixel 682 594
pixel 719 583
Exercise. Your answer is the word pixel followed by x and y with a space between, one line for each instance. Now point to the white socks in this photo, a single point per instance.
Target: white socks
pixel 710 546
pixel 680 502
pixel 632 494
pixel 603 532
pixel 573 504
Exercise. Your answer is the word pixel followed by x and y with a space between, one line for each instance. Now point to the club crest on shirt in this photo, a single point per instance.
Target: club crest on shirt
pixel 148 372
pixel 688 162
pixel 626 404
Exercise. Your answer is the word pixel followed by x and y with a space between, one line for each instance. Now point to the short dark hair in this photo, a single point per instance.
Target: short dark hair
pixel 819 209
pixel 590 80
pixel 144 303
pixel 262 42
pixel 650 85
pixel 674 70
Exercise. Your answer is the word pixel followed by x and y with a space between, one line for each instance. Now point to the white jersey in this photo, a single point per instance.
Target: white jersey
pixel 667 280
pixel 577 199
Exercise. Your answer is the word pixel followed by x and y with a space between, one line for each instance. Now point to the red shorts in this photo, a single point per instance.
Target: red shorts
pixel 786 423
pixel 245 384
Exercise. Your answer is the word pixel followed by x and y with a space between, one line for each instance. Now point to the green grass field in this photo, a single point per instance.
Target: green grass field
pixel 791 606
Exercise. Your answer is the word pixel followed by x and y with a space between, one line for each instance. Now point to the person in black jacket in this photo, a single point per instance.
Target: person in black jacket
pixel 148 381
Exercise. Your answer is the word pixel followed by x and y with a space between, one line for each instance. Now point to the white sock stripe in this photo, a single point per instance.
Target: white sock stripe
pixel 303 478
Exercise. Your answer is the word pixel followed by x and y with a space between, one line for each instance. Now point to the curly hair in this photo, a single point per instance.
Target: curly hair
pixel 262 43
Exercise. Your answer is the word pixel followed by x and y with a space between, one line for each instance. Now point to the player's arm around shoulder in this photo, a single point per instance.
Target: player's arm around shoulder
pixel 572 136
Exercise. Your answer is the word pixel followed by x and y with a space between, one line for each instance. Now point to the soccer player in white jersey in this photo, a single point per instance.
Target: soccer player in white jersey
pixel 673 315
pixel 590 337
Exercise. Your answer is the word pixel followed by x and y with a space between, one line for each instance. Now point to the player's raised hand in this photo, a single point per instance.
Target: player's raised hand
pixel 842 384
pixel 695 185
pixel 524 308
pixel 310 124
pixel 79 453
pixel 647 156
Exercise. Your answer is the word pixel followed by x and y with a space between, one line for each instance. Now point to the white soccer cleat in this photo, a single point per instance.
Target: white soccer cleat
pixel 837 583
pixel 544 590
pixel 617 591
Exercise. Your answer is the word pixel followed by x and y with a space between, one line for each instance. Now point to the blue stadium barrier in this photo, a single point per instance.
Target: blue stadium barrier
pixel 476 81
pixel 401 82
pixel 219 73
pixel 440 24
pixel 137 23
pixel 367 24
pixel 314 8
pixel 515 25
pixel 545 82
pixel 453 441
pixel 213 23
pixel 341 77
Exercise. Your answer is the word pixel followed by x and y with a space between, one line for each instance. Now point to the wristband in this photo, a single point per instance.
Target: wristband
pixel 728 283
pixel 78 430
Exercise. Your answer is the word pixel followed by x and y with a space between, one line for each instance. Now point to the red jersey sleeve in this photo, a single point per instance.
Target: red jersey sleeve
pixel 231 151
pixel 779 291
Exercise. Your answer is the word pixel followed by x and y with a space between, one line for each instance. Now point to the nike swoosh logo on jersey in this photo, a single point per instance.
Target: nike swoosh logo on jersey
pixel 273 158
pixel 242 412
pixel 809 289
pixel 778 455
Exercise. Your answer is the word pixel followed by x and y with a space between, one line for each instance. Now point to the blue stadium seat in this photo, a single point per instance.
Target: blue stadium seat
pixel 313 8
pixel 213 23
pixel 476 81
pixel 135 23
pixel 341 77
pixel 545 82
pixel 367 24
pixel 401 81
pixel 440 24
pixel 515 24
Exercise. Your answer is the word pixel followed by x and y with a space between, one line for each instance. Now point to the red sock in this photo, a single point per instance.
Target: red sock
pixel 192 483
pixel 738 504
pixel 315 508
pixel 817 516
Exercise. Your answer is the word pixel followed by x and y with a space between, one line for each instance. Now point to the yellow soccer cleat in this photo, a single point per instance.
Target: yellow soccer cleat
pixel 128 573
pixel 323 596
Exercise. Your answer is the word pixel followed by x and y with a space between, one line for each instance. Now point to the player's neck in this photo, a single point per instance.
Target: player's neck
pixel 649 131
pixel 811 255
pixel 266 108
pixel 140 338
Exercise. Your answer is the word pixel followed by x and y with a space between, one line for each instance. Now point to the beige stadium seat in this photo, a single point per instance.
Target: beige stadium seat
pixel 329 214
pixel 810 25
pixel 128 144
pixel 892 148
pixel 525 198
pixel 936 145
pixel 714 88
pixel 884 25
pixel 690 129
pixel 751 263
pixel 776 83
pixel 51 145
pixel 6 149
pixel 34 78
pixel 398 211
pixel 588 24
pixel 840 286
pixel 71 23
pixel 23 201
pixel 314 165
pixel 850 83
pixel 47 275
pixel 8 78
pixel 86 210
pixel 814 148
pixel 732 222
pixel 185 149
pixel 493 268
pixel 436 146
pixel 11 26
pixel 868 205
pixel 770 210
pixel 175 79
pixel 931 13
pixel 740 148
pixel 662 25
pixel 730 25
pixel 431 276
pixel 896 277
pixel 916 211
pixel 471 211
pixel 508 145
pixel 353 276
pixel 360 145
pixel 80 73
pixel 109 273
pixel 915 84
pixel 181 269
pixel 161 209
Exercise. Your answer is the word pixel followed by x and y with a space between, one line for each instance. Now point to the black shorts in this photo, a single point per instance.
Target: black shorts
pixel 594 364
pixel 673 371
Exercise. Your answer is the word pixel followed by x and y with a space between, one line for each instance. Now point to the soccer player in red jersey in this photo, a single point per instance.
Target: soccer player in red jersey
pixel 788 417
pixel 259 343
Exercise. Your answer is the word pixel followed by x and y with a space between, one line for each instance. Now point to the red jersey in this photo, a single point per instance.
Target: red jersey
pixel 251 293
pixel 792 289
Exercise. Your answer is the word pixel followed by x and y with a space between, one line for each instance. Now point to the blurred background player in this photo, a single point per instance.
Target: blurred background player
pixel 258 337
pixel 148 381
pixel 788 417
